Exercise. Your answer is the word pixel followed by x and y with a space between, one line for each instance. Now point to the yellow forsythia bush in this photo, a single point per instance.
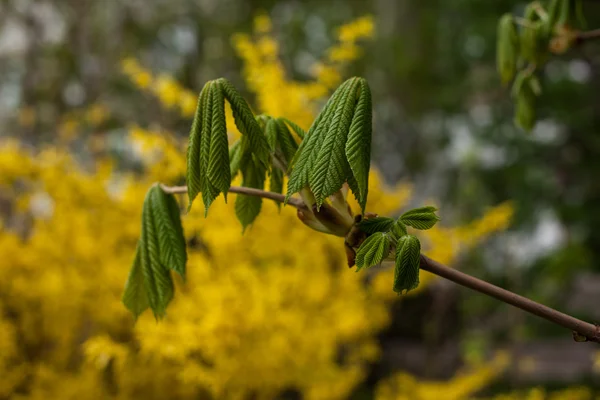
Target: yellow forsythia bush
pixel 264 312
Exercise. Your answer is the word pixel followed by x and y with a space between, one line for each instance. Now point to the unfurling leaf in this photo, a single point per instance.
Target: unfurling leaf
pixel 297 130
pixel 372 251
pixel 377 224
pixel 398 228
pixel 160 249
pixel 406 272
pixel 420 218
pixel 533 35
pixel 235 157
pixel 337 147
pixel 276 183
pixel 507 48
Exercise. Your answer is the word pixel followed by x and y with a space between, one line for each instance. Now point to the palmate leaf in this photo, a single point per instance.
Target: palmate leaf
pixel 286 143
pixel 406 272
pixel 331 168
pixel 337 147
pixel 235 158
pixel 372 251
pixel 160 249
pixel 377 224
pixel 193 176
pixel 420 218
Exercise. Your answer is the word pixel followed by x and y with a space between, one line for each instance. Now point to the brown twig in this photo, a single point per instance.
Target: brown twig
pixel 587 35
pixel 590 331
pixel 294 202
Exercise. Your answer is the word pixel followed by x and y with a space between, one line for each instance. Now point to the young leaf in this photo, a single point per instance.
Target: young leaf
pixel 157 279
pixel 276 183
pixel 193 176
pixel 297 130
pixel 406 272
pixel 301 165
pixel 171 240
pixel 372 251
pixel 331 167
pixel 398 229
pixel 420 218
pixel 134 296
pixel 358 147
pixel 377 224
pixel 219 173
pixel 209 191
pixel 247 208
pixel 235 157
pixel 247 124
pixel 286 142
pixel 525 89
pixel 507 48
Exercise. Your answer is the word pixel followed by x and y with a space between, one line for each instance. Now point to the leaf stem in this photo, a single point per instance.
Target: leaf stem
pixel 587 35
pixel 294 202
pixel 589 331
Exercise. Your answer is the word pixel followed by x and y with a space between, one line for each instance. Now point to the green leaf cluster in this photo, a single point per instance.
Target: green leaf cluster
pixel 211 164
pixel 161 248
pixel 385 232
pixel 524 44
pixel 337 147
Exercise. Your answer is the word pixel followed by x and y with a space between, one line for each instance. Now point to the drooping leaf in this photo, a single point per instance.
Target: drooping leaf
pixel 157 279
pixel 533 35
pixel 507 48
pixel 193 175
pixel 247 208
pixel 304 159
pixel 235 158
pixel 219 173
pixel 372 251
pixel 377 224
pixel 420 218
pixel 406 272
pixel 276 183
pixel 331 168
pixel 209 191
pixel 247 124
pixel 525 90
pixel 171 240
pixel 286 143
pixel 358 146
pixel 297 130
pixel 134 295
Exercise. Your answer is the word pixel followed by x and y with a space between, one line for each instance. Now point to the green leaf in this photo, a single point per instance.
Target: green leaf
pixel 235 157
pixel 377 224
pixel 420 218
pixel 219 173
pixel 507 48
pixel 304 159
pixel 372 251
pixel 134 296
pixel 157 279
pixel 398 229
pixel 193 176
pixel 209 191
pixel 406 272
pixel 286 143
pixel 297 130
pixel 525 89
pixel 247 124
pixel 276 183
pixel 247 208
pixel 331 168
pixel 171 240
pixel 358 146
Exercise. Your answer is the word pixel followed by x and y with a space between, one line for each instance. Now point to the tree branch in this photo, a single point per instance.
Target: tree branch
pixel 587 35
pixel 580 328
pixel 294 202
pixel 589 331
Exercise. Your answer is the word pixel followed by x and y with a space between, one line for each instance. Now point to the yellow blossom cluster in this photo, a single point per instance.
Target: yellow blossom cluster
pixel 272 310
